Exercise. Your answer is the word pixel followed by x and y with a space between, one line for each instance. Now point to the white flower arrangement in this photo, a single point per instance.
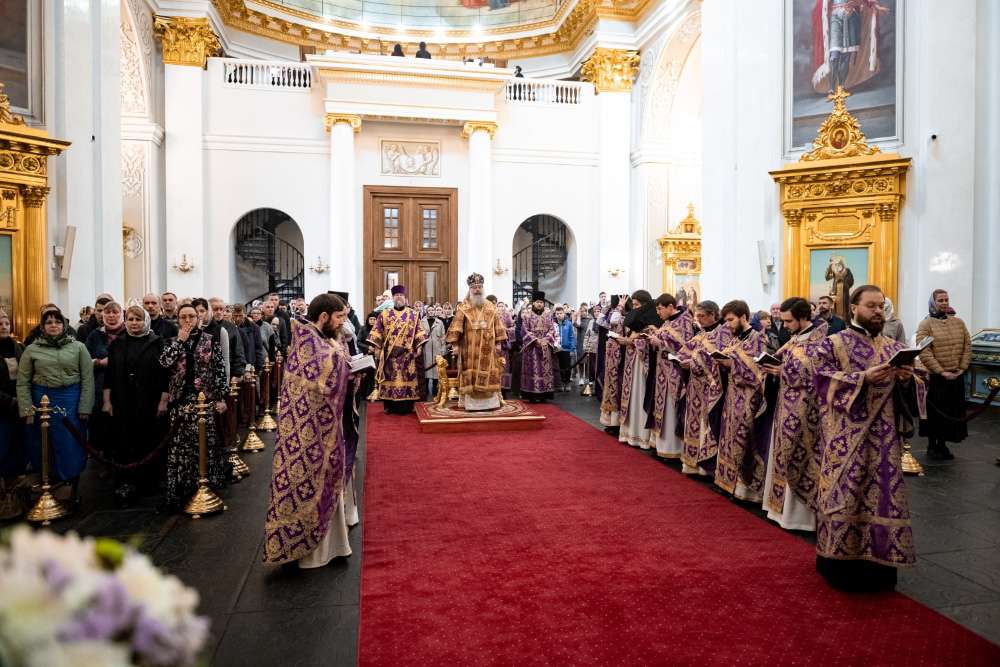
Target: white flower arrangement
pixel 66 600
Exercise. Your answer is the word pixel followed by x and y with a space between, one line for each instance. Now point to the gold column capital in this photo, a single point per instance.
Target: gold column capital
pixel 186 41
pixel 474 126
pixel 334 118
pixel 793 216
pixel 611 70
pixel 34 195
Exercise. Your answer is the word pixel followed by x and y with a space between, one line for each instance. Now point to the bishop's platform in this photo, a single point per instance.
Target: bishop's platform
pixel 512 416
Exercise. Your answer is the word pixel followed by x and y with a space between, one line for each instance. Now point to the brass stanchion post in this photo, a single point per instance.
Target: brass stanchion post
pixel 240 468
pixel 253 443
pixel 279 366
pixel 47 509
pixel 204 501
pixel 266 422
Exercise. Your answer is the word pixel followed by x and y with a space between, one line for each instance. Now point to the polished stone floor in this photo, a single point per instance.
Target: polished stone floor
pixel 263 614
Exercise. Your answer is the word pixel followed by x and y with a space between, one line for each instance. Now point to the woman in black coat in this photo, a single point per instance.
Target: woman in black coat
pixel 135 400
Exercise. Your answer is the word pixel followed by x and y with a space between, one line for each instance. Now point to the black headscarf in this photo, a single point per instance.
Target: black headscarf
pixel 643 316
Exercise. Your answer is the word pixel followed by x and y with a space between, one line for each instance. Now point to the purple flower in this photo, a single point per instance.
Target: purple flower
pixel 56 576
pixel 109 615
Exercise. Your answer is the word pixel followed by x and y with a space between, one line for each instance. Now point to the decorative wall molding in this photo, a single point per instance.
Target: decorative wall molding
pixel 405 157
pixel 222 142
pixel 543 156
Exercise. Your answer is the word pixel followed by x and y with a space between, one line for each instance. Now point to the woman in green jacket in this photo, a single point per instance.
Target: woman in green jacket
pixel 58 366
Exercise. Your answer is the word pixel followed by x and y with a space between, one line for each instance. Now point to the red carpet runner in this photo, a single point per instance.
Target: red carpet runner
pixel 562 547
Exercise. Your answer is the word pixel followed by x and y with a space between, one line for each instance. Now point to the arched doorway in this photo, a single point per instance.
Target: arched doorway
pixel 269 256
pixel 544 258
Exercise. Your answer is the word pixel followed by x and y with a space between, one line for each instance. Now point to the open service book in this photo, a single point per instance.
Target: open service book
pixel 360 362
pixel 908 355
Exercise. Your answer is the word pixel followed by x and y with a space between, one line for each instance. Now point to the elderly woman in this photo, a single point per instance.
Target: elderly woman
pixel 893 327
pixel 98 342
pixel 58 366
pixel 12 455
pixel 135 401
pixel 947 359
pixel 194 363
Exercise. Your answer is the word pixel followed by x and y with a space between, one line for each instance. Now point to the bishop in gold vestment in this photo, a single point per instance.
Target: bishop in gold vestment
pixel 476 334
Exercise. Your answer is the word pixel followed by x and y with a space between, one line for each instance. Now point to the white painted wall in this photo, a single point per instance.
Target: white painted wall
pixel 544 160
pixel 950 218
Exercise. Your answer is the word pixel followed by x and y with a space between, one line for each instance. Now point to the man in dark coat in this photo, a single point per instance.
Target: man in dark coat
pixel 158 324
pixel 237 355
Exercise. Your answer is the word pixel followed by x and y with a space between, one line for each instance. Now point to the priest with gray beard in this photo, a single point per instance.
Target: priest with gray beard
pixel 476 334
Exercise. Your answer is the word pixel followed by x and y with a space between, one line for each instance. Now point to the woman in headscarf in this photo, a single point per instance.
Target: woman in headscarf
pixel 194 363
pixel 98 343
pixel 947 359
pixel 58 366
pixel 893 327
pixel 12 454
pixel 637 377
pixel 135 400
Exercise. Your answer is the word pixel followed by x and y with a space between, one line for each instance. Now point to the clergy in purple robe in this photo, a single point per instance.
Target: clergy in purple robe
pixel 637 379
pixel 396 341
pixel 538 333
pixel 666 405
pixel 612 322
pixel 704 391
pixel 866 407
pixel 741 461
pixel 507 321
pixel 794 455
pixel 306 520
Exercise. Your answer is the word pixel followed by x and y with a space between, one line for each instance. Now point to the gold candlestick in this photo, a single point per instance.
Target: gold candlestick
pixel 266 422
pixel 204 500
pixel 47 509
pixel 240 468
pixel 253 443
pixel 909 463
pixel 279 366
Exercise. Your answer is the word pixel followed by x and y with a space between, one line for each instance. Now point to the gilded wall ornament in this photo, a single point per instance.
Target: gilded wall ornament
pixel 34 195
pixel 840 134
pixel 611 70
pixel 187 41
pixel 5 113
pixel 332 119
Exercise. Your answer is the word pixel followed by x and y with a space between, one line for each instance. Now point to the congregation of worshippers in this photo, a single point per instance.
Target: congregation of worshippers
pixel 802 410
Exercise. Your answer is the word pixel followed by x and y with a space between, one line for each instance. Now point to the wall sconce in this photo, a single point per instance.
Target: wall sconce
pixel 614 273
pixel 499 269
pixel 184 266
pixel 319 266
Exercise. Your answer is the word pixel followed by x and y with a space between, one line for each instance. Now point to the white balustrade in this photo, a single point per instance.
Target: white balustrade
pixel 543 92
pixel 267 75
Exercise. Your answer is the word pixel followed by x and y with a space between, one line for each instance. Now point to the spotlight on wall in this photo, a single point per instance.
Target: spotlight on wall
pixel 499 268
pixel 614 273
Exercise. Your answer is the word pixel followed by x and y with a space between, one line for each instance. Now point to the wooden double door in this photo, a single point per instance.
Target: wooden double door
pixel 411 239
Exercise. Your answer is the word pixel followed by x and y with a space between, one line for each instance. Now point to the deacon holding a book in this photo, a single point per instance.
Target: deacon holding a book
pixel 866 407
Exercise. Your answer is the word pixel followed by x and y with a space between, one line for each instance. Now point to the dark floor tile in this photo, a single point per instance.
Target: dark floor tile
pixel 320 637
pixel 984 524
pixel 937 587
pixel 980 565
pixel 120 522
pixel 271 587
pixel 983 619
pixel 935 534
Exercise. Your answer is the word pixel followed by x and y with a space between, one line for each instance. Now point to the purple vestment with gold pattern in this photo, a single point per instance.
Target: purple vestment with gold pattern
pixel 307 472
pixel 704 391
pixel 862 511
pixel 795 434
pixel 675 334
pixel 639 349
pixel 398 337
pixel 507 320
pixel 611 392
pixel 739 460
pixel 539 335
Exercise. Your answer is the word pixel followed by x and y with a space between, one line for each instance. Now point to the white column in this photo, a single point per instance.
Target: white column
pixel 184 121
pixel 83 99
pixel 614 229
pixel 346 272
pixel 475 243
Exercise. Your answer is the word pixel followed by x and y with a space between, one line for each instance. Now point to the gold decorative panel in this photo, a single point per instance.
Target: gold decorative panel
pixel 681 249
pixel 24 153
pixel 841 204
